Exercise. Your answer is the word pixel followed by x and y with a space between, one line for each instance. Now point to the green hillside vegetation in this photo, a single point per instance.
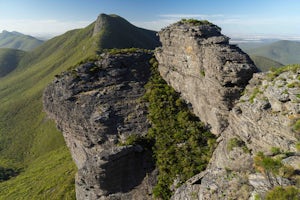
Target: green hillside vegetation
pixel 9 60
pixel 15 40
pixel 183 146
pixel 29 142
pixel 285 52
pixel 265 64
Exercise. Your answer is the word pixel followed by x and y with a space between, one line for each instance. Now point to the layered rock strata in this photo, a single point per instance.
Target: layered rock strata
pixel 198 62
pixel 97 106
pixel 249 115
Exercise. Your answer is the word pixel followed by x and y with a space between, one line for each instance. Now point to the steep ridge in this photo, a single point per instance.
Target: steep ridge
pixel 258 133
pixel 15 40
pixel 97 106
pixel 25 132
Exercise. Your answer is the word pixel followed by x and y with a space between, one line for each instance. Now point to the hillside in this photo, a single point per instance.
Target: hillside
pixel 9 60
pixel 265 64
pixel 110 27
pixel 27 136
pixel 284 51
pixel 15 40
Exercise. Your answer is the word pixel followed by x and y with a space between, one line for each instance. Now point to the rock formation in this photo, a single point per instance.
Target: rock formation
pixel 198 62
pixel 97 106
pixel 211 74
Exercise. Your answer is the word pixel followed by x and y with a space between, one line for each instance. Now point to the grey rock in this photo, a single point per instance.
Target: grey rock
pixel 199 62
pixel 97 107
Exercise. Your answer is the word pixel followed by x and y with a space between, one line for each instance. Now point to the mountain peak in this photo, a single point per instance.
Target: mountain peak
pixel 116 32
pixel 103 20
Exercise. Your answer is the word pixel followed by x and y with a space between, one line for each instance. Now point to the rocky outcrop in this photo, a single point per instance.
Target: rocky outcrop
pixel 97 106
pixel 250 116
pixel 197 61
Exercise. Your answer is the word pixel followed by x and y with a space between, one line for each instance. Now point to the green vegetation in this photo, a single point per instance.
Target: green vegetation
pixel 183 146
pixel 125 51
pixel 15 40
pixel 49 177
pixel 9 60
pixel 275 150
pixel 265 64
pixel 283 193
pixel 276 72
pixel 285 52
pixel 298 146
pixel 196 22
pixel 296 126
pixel 294 84
pixel 136 139
pixel 267 164
pixel 236 142
pixel 254 94
pixel 28 139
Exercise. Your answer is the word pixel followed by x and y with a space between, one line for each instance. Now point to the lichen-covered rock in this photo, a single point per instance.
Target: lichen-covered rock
pixel 212 75
pixel 264 120
pixel 199 62
pixel 97 106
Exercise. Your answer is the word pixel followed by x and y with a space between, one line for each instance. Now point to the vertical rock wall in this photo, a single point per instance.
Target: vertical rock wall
pixel 209 73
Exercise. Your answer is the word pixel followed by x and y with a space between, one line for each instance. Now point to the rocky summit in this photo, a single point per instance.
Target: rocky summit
pixel 197 61
pixel 256 117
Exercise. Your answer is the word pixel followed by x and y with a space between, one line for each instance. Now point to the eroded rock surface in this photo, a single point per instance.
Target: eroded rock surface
pixel 198 62
pixel 97 106
pixel 249 114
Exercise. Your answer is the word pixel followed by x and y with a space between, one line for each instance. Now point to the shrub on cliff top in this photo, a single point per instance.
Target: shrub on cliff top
pixel 196 22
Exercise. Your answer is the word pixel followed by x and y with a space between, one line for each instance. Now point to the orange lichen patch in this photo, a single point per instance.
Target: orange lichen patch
pixel 189 50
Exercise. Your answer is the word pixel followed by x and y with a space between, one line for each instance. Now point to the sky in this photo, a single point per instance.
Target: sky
pixel 237 18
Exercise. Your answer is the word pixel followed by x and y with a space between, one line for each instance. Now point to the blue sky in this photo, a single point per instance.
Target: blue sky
pixel 269 18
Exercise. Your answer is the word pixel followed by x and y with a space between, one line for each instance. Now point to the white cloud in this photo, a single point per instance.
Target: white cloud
pixel 49 27
pixel 234 24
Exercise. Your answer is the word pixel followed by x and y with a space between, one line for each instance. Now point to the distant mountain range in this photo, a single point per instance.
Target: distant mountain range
pixel 16 40
pixel 283 51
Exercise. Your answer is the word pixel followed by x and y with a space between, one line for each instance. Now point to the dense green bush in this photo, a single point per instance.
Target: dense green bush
pixel 183 146
pixel 267 164
pixel 283 193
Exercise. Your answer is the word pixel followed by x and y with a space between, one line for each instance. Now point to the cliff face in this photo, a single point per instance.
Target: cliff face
pixel 209 73
pixel 97 107
pixel 212 75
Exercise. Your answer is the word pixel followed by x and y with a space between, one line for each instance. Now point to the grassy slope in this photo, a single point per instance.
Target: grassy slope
pixel 18 41
pixel 25 132
pixel 265 64
pixel 9 59
pixel 285 52
pixel 30 141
